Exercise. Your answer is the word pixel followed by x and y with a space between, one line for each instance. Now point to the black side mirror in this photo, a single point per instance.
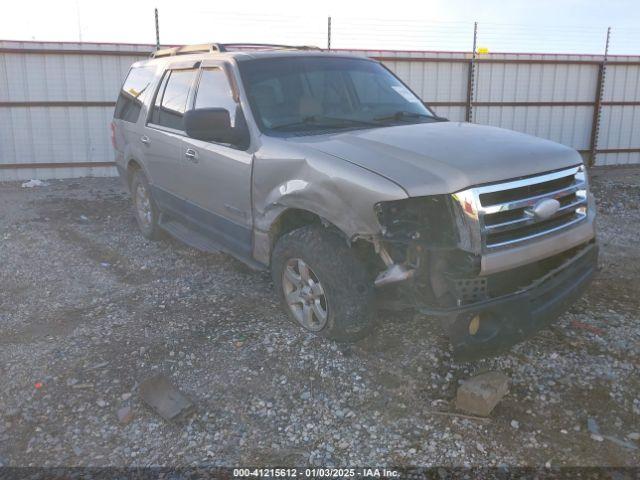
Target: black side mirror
pixel 212 124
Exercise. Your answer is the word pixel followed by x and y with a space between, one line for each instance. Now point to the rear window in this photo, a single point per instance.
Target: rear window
pixel 130 99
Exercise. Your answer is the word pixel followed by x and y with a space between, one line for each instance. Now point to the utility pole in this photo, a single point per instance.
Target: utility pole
pixel 79 22
pixel 471 76
pixel 157 31
pixel 597 108
pixel 328 33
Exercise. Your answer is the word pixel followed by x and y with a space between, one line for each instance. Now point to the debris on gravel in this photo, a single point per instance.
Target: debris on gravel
pixel 125 415
pixel 266 393
pixel 480 395
pixel 34 183
pixel 162 396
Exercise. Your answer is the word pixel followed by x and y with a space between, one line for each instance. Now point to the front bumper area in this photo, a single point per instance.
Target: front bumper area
pixel 509 319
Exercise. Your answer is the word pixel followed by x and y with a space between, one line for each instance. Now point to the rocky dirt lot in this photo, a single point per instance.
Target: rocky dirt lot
pixel 89 309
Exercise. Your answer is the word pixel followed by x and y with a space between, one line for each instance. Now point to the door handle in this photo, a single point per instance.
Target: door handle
pixel 144 139
pixel 191 155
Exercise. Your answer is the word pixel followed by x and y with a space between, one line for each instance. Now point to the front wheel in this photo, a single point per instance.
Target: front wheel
pixel 322 285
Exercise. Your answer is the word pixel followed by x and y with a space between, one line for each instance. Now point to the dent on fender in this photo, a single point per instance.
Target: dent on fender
pixel 282 183
pixel 309 189
pixel 292 186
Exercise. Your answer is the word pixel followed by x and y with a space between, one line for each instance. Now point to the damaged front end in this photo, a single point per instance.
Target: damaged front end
pixel 433 250
pixel 426 240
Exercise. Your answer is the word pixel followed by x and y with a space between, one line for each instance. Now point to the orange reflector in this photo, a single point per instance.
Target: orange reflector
pixel 474 325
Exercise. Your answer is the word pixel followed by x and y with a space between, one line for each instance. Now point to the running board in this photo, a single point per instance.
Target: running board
pixel 197 240
pixel 189 236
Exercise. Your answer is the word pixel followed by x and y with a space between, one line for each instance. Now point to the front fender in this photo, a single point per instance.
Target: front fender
pixel 340 192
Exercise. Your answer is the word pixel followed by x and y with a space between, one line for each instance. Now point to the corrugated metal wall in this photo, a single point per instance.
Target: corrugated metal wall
pixel 56 107
pixel 567 85
pixel 620 127
pixel 56 101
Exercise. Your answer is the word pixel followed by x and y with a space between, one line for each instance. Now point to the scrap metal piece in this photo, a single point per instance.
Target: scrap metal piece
pixel 163 397
pixel 394 274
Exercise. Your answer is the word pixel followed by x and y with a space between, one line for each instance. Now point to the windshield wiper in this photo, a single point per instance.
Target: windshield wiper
pixel 326 122
pixel 404 115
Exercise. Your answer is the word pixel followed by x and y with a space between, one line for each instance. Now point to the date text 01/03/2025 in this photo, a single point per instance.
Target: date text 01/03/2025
pixel 315 472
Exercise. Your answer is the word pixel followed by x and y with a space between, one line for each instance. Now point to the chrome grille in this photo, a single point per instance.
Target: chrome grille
pixel 511 213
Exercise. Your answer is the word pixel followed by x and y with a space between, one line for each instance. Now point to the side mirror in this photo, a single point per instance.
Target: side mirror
pixel 212 124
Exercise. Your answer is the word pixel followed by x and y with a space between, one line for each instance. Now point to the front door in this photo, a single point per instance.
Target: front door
pixel 219 174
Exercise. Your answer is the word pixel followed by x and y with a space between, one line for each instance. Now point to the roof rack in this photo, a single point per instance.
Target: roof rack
pixel 264 46
pixel 186 50
pixel 225 47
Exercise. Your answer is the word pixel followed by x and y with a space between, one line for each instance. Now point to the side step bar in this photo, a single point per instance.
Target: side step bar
pixel 189 236
pixel 201 242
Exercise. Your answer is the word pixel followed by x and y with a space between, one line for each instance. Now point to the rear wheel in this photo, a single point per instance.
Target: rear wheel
pixel 145 209
pixel 322 285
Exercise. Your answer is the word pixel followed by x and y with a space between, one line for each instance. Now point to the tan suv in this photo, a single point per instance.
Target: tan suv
pixel 327 169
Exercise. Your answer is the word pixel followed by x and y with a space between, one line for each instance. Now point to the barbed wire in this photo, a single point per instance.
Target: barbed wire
pixel 349 32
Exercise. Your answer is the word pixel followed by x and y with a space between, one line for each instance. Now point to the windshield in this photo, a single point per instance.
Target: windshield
pixel 306 95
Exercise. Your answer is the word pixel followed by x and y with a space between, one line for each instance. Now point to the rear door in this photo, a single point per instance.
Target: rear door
pixel 163 136
pixel 219 174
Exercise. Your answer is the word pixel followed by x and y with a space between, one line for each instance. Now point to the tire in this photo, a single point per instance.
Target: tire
pixel 345 292
pixel 146 214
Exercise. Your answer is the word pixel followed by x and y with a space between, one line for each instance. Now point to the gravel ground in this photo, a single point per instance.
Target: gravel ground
pixel 89 309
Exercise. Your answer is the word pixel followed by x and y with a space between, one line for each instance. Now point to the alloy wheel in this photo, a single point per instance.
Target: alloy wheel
pixel 305 295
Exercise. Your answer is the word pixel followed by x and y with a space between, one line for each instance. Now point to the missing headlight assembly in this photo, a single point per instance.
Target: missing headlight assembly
pixel 423 236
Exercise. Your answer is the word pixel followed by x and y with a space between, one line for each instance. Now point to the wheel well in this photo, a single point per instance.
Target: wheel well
pixel 132 167
pixel 294 218
pixel 291 220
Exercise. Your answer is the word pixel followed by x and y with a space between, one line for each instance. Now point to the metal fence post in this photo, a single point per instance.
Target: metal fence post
pixel 157 31
pixel 328 33
pixel 470 79
pixel 597 107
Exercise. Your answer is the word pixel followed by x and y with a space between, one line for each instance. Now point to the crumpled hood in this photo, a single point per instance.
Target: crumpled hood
pixel 444 157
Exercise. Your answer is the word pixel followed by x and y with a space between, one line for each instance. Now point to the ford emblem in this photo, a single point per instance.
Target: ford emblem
pixel 544 209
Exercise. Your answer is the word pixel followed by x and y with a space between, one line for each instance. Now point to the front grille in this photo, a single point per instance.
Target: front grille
pixel 507 211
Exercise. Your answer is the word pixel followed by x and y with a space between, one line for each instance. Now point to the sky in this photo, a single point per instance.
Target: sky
pixel 562 26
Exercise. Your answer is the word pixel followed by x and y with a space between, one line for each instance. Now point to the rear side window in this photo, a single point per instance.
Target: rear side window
pixel 171 99
pixel 130 99
pixel 214 91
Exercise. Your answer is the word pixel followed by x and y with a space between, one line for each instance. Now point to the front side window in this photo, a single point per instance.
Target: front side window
pixel 171 99
pixel 316 94
pixel 132 93
pixel 214 91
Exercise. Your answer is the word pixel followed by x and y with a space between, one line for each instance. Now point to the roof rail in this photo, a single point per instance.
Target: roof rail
pixel 264 46
pixel 225 47
pixel 187 49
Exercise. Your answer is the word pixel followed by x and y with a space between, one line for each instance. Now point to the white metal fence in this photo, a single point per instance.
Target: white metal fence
pixel 56 100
